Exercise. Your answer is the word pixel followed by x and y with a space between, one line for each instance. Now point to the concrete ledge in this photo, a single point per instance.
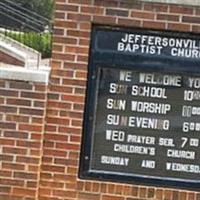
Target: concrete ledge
pixel 22 74
pixel 181 2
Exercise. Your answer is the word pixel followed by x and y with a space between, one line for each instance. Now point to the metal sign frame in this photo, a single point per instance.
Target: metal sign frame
pixel 113 59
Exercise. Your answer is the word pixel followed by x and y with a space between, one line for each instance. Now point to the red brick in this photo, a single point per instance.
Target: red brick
pixel 189 19
pixel 76 115
pixel 30 127
pixel 88 186
pixel 73 66
pixel 29 144
pixel 8 59
pixel 2 100
pixel 61 105
pixel 21 102
pixel 109 197
pixel 180 9
pixel 44 191
pixel 92 10
pixel 81 74
pixel 53 96
pixel 78 107
pixel 28 111
pixel 151 193
pixel 95 187
pixel 168 194
pixel 8 93
pixel 6 157
pixel 60 121
pixel 25 175
pixel 127 190
pixel 153 24
pixel 81 58
pixel 52 184
pixel 68 146
pixel 11 182
pixel 79 17
pixel 74 138
pixel 156 7
pixel 65 24
pixel 105 19
pixel 8 109
pixel 129 22
pixel 59 15
pixel 57 48
pixel 31 184
pixel 37 120
pixel 135 191
pixel 142 15
pixel 24 192
pixel 74 155
pixel 17 118
pixel 178 26
pixel 52 168
pixel 191 196
pixel 21 85
pixel 6 141
pixel 117 12
pixel 175 195
pixel 143 192
pixel 33 95
pixel 57 153
pixel 76 50
pixel 73 98
pixel 56 137
pixel 48 144
pixel 111 188
pixel 23 159
pixel 63 73
pixel 63 7
pixel 14 150
pixel 64 194
pixel 131 4
pixel 168 17
pixel 84 42
pixel 63 56
pixel 7 125
pixel 13 166
pixel 2 83
pixel 88 2
pixel 73 130
pixel 5 189
pixel 39 104
pixel 85 26
pixel 78 33
pixel 183 195
pixel 106 3
pixel 73 171
pixel 89 196
pixel 64 40
pixel 196 28
pixel 39 87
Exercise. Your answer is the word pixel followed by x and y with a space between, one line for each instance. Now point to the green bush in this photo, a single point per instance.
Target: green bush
pixel 39 41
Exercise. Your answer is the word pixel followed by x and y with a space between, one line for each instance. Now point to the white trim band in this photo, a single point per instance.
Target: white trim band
pixel 180 2
pixel 23 74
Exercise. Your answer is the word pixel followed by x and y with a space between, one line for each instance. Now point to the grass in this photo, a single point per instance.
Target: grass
pixel 39 41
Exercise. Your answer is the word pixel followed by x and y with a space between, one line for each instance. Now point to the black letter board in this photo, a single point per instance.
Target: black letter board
pixel 142 113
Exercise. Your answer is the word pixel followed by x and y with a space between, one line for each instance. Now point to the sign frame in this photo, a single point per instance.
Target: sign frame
pixel 101 59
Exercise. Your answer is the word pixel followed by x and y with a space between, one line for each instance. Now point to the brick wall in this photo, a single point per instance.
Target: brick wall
pixel 23 171
pixel 22 111
pixel 5 58
pixel 67 92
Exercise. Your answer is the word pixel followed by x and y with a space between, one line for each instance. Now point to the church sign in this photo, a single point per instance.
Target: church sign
pixel 142 113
